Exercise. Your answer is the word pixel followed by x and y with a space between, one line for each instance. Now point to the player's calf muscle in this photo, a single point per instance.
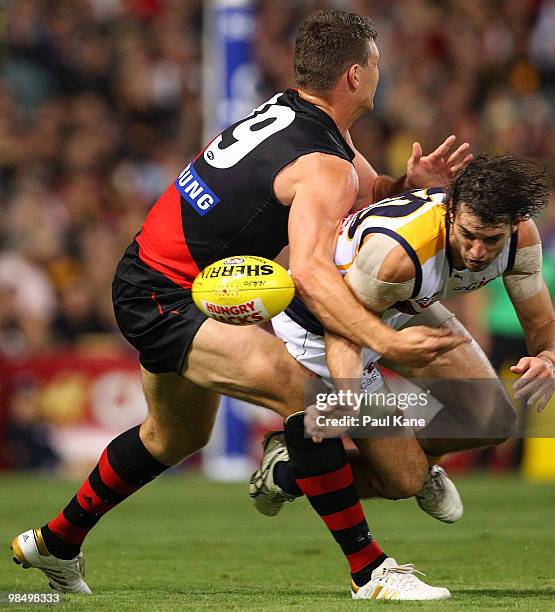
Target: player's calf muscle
pixel 395 467
pixel 180 416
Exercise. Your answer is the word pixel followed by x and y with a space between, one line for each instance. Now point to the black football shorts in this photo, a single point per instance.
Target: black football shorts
pixel 156 316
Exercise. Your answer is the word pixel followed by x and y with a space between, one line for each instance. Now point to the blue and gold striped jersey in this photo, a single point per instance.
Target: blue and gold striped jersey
pixel 418 222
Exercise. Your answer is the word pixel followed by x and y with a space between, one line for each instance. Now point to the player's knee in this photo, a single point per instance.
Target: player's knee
pixel 407 483
pixel 405 486
pixel 491 415
pixel 502 423
pixel 282 384
pixel 504 428
pixel 510 420
pixel 498 427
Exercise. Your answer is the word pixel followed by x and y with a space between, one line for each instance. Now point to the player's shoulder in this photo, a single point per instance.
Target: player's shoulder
pixel 316 178
pixel 318 161
pixel 528 234
pixel 397 266
pixel 324 170
pixel 382 257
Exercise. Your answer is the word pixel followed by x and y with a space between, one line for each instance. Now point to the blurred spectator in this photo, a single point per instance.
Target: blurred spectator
pixel 27 442
pixel 27 305
pixel 100 108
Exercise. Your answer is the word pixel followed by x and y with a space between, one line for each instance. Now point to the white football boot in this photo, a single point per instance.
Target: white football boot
pixel 397 582
pixel 63 575
pixel 439 497
pixel 267 496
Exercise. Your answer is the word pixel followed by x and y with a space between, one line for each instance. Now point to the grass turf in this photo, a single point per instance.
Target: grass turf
pixel 186 543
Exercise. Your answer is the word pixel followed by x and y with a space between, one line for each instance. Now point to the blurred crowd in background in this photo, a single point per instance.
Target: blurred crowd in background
pixel 101 107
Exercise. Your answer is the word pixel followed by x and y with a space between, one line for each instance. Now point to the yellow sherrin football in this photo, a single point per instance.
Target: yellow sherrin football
pixel 243 290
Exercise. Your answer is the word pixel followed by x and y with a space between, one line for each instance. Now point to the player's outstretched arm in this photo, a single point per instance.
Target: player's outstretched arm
pixel 434 170
pixel 532 303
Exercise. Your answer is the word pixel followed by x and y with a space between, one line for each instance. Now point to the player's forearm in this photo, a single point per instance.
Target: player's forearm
pixel 386 186
pixel 328 297
pixel 541 341
pixel 537 319
pixel 343 358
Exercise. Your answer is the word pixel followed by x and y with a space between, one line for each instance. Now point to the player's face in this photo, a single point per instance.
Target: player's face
pixel 473 245
pixel 369 77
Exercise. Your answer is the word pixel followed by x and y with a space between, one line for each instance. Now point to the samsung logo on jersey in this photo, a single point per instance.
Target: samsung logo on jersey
pixel 196 191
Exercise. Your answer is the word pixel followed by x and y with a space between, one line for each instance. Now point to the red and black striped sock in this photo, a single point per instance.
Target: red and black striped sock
pixel 124 467
pixel 324 475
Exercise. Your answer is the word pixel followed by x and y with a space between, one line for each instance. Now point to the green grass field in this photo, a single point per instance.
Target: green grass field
pixel 186 543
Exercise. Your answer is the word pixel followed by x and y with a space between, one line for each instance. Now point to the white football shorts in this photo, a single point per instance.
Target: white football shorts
pixel 309 349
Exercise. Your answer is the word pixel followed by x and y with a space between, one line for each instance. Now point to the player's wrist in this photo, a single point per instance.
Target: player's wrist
pixel 382 339
pixel 407 182
pixel 548 357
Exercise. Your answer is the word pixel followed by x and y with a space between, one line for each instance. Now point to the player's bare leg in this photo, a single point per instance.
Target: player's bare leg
pixel 321 471
pixel 482 409
pixel 180 416
pixel 471 407
pixel 397 467
pixel 242 362
pixel 478 407
pixel 476 413
pixel 247 363
pixel 391 468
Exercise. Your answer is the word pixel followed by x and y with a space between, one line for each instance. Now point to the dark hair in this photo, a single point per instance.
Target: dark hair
pixel 499 189
pixel 327 43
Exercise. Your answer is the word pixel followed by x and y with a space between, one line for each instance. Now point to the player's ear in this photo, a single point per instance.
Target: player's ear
pixel 353 76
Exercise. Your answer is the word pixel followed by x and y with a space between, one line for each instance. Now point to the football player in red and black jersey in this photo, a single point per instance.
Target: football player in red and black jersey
pixel 287 173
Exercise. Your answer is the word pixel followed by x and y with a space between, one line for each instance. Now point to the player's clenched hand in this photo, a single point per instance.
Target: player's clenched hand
pixel 316 427
pixel 439 167
pixel 537 382
pixel 319 420
pixel 418 346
